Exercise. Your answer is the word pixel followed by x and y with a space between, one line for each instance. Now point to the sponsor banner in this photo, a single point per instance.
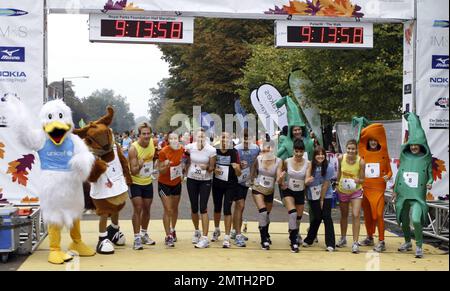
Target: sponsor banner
pixel 310 111
pixel 21 76
pixel 268 95
pixel 432 85
pixel 264 117
pixel 388 9
pixel 409 35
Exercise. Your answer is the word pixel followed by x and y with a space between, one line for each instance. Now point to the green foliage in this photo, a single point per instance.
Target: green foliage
pixel 205 72
pixel 156 101
pixel 95 107
pixel 343 83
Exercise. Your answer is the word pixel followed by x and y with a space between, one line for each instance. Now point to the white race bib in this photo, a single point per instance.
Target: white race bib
pixel 296 185
pixel 196 173
pixel 245 175
pixel 315 192
pixel 411 179
pixel 348 184
pixel 221 172
pixel 175 172
pixel 372 170
pixel 146 170
pixel 266 182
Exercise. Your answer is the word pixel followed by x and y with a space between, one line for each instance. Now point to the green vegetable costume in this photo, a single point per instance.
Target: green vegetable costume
pixel 285 144
pixel 414 173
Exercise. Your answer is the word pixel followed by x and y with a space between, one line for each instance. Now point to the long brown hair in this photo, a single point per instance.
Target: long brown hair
pixel 319 150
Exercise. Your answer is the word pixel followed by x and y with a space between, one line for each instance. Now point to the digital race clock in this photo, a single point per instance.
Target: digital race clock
pixel 324 34
pixel 140 29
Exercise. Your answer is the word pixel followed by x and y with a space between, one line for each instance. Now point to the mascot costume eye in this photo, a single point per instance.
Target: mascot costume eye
pixel 65 163
pixel 109 180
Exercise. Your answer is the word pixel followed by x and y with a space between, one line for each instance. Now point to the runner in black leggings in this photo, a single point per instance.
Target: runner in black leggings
pixel 225 184
pixel 202 159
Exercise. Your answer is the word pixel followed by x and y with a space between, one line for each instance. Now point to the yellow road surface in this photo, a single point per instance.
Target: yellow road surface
pixel 185 257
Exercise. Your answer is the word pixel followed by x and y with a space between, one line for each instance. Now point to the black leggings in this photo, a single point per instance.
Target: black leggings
pixel 198 190
pixel 320 215
pixel 226 194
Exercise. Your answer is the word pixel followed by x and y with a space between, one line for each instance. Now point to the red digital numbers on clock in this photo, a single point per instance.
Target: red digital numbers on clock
pixel 324 34
pixel 141 29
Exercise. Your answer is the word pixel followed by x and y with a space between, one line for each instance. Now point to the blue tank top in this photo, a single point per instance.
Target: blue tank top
pixel 54 157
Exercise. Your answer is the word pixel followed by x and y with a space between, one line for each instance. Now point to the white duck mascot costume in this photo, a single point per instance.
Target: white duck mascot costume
pixel 65 163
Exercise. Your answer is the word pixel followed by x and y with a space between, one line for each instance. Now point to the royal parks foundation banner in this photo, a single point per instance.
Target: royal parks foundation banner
pixel 386 9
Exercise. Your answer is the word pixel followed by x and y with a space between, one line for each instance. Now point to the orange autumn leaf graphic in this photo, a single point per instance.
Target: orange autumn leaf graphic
pixel 18 169
pixel 20 178
pixel 295 7
pixel 438 168
pixel 332 8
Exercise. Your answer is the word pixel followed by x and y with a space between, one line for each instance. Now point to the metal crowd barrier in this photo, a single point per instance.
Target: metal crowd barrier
pixel 437 220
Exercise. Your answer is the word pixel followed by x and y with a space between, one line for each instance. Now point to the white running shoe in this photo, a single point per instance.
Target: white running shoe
pixel 216 234
pixel 226 242
pixel 196 236
pixel 341 243
pixel 355 248
pixel 404 247
pixel 202 243
pixel 147 240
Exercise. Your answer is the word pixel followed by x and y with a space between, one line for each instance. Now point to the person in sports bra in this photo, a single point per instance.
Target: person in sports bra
pixel 265 174
pixel 293 190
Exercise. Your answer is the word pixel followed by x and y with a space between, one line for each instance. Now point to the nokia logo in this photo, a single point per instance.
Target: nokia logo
pixel 13 74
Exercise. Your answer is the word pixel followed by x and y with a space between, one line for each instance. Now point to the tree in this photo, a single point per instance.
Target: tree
pixel 163 121
pixel 156 101
pixel 205 72
pixel 78 111
pixel 97 102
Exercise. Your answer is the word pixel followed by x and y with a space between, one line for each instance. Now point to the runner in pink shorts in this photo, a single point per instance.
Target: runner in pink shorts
pixel 350 176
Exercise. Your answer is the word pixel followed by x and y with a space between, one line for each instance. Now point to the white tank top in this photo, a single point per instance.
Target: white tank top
pixel 296 179
pixel 266 177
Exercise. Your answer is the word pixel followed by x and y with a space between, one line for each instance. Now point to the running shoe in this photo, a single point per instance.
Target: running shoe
pixel 137 245
pixel 240 240
pixel 419 252
pixel 294 248
pixel 404 247
pixel 147 240
pixel 226 242
pixel 380 247
pixel 355 248
pixel 216 235
pixel 341 243
pixel 173 233
pixel 169 241
pixel 368 241
pixel 196 236
pixel 203 242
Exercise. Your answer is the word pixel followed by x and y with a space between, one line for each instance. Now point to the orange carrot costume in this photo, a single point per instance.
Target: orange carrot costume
pixel 377 166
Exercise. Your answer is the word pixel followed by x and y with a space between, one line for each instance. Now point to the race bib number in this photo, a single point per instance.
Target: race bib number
pixel 296 185
pixel 348 184
pixel 372 170
pixel 146 170
pixel 221 172
pixel 315 192
pixel 411 179
pixel 245 175
pixel 113 173
pixel 175 172
pixel 266 182
pixel 195 172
